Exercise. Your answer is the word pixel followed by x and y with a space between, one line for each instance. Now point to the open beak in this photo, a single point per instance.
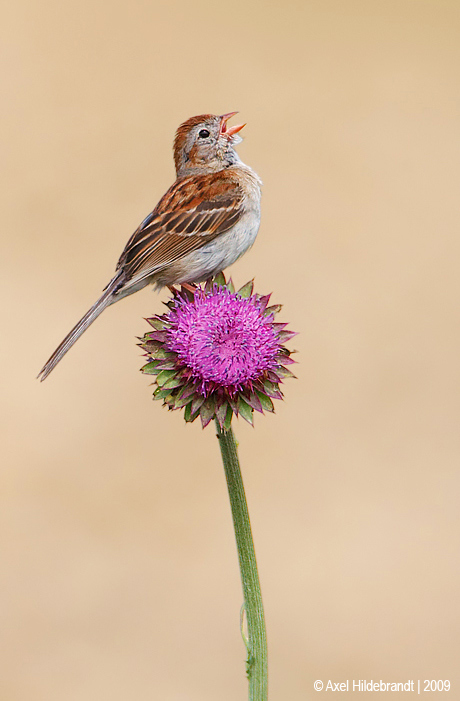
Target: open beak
pixel 231 130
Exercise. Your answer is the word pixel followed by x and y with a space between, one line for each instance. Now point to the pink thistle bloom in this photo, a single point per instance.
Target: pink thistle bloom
pixel 218 352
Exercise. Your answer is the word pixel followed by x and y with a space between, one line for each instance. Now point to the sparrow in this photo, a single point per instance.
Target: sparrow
pixel 206 220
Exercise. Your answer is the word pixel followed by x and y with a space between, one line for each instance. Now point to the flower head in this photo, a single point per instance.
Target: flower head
pixel 218 352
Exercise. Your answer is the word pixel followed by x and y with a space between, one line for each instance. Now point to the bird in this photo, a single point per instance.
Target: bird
pixel 207 219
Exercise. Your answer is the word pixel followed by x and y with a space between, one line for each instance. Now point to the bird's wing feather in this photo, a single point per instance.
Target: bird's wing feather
pixel 194 211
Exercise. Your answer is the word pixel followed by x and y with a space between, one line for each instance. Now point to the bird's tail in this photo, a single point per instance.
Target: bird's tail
pixel 104 301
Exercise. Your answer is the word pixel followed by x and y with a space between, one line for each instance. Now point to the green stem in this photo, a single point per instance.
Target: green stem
pixel 256 663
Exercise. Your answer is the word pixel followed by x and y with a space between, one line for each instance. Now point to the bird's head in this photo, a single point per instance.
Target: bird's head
pixel 205 144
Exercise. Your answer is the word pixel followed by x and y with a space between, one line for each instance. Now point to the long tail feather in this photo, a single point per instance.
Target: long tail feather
pixel 104 301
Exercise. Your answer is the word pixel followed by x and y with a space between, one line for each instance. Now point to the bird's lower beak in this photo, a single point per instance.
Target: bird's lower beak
pixel 231 130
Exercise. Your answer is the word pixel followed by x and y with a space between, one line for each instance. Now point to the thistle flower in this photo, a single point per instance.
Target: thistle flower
pixel 218 352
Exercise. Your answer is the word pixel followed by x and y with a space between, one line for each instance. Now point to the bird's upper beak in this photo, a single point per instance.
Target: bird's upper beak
pixel 231 130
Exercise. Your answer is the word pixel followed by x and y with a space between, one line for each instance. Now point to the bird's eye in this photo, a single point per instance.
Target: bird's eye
pixel 203 133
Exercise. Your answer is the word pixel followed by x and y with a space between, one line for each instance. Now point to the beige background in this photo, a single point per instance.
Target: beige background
pixel 119 574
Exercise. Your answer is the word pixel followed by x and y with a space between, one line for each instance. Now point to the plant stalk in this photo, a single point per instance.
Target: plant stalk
pixel 256 642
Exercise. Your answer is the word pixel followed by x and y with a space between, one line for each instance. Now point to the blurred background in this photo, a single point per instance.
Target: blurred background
pixel 119 570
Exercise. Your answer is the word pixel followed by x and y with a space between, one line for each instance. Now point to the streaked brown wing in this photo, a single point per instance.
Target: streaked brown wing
pixel 193 212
